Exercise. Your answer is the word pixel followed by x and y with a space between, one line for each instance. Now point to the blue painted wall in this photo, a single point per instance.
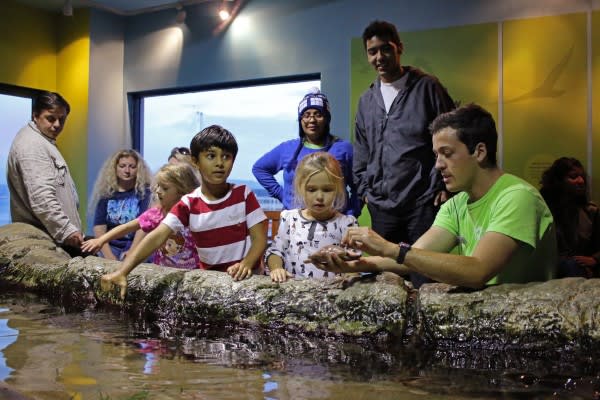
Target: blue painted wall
pixel 289 37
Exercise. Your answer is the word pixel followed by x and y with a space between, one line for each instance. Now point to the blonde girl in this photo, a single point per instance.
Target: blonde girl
pixel 121 193
pixel 320 194
pixel 171 182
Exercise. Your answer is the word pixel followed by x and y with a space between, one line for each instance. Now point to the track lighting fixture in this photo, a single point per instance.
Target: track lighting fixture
pixel 181 14
pixel 224 12
pixel 68 8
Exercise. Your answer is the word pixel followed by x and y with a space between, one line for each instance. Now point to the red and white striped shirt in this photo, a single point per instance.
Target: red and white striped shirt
pixel 220 228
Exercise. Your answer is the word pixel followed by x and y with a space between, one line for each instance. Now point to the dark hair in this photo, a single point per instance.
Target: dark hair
pixel 383 30
pixel 179 153
pixel 473 125
pixel 553 178
pixel 49 101
pixel 564 204
pixel 214 135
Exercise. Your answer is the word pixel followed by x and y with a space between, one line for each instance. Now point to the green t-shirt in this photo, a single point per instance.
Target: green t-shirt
pixel 514 208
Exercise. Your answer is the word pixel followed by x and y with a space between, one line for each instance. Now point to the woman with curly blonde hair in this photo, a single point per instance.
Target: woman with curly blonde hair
pixel 121 194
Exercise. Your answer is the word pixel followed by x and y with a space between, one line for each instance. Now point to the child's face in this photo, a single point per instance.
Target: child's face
pixel 319 195
pixel 215 165
pixel 167 194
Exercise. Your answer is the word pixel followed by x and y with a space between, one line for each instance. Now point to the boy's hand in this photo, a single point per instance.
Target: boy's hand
pixel 91 246
pixel 239 271
pixel 115 278
pixel 279 275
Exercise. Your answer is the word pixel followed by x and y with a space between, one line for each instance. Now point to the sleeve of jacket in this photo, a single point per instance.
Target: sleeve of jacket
pixel 38 172
pixel 360 156
pixel 265 169
pixel 354 202
pixel 441 103
pixel 442 100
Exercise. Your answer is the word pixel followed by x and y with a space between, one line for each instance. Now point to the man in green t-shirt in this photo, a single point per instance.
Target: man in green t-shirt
pixel 497 227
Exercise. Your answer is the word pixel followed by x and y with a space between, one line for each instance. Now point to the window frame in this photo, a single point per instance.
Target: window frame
pixel 135 100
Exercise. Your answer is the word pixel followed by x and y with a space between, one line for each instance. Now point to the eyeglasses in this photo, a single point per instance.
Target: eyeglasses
pixel 317 116
pixel 180 150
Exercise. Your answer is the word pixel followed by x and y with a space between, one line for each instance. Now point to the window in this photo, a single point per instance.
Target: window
pixel 260 116
pixel 16 112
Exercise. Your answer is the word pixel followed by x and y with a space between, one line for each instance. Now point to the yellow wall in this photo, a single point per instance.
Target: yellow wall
pixel 72 81
pixel 28 47
pixel 544 84
pixel 41 50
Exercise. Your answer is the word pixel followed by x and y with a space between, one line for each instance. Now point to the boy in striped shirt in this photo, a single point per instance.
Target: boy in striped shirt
pixel 225 219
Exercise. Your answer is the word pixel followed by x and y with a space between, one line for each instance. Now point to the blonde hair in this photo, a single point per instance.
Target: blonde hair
pixel 312 164
pixel 183 176
pixel 107 184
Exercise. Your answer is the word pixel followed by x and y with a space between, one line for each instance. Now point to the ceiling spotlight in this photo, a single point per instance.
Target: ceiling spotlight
pixel 181 14
pixel 68 8
pixel 224 14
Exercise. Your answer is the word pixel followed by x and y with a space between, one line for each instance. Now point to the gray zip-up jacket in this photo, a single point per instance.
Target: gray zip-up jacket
pixel 393 157
pixel 42 192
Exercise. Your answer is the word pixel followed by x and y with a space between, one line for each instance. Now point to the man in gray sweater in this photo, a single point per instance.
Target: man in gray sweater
pixel 42 192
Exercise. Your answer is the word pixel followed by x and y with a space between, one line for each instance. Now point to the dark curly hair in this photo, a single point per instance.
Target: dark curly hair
pixel 553 189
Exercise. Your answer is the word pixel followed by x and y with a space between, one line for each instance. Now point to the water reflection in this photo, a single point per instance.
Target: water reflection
pixel 52 354
pixel 7 337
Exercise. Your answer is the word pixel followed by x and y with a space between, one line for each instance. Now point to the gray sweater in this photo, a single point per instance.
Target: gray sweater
pixel 42 192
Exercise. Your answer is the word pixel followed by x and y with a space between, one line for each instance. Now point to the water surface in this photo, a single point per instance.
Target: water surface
pixel 49 353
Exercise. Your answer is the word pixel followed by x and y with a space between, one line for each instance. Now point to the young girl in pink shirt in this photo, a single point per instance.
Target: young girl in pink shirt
pixel 171 182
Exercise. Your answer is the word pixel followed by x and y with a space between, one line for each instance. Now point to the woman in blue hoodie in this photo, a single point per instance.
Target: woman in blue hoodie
pixel 314 118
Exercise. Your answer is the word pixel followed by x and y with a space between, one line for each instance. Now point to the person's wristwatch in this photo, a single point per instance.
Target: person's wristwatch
pixel 404 248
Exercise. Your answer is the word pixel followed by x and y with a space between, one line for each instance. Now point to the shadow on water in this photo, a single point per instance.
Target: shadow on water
pixel 49 352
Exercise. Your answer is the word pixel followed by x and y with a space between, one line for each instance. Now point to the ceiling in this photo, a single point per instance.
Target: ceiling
pixel 118 7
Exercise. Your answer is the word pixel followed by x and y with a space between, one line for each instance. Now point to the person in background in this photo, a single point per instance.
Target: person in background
pixel 226 220
pixel 121 194
pixel 179 154
pixel 314 119
pixel 170 183
pixel 498 224
pixel 320 192
pixel 42 191
pixel 394 169
pixel 564 187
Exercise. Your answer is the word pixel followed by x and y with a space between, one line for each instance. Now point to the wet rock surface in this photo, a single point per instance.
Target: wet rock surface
pixel 536 317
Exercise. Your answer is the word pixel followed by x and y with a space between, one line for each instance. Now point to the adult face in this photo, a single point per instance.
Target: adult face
pixel 319 195
pixel 51 122
pixel 575 181
pixel 313 125
pixel 454 161
pixel 384 56
pixel 126 171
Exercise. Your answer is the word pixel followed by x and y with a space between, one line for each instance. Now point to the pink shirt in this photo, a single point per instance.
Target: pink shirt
pixel 178 251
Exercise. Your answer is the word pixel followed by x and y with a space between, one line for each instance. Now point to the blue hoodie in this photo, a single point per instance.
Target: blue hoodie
pixel 282 158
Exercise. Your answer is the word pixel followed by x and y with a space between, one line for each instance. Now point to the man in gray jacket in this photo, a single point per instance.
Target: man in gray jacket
pixel 42 192
pixel 393 163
